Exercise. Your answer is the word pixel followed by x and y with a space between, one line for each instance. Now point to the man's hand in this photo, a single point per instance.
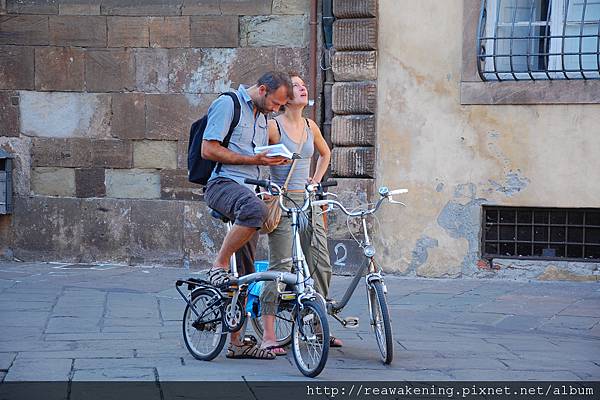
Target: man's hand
pixel 263 159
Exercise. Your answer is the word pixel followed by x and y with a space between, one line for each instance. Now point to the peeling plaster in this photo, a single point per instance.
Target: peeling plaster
pixel 462 221
pixel 419 253
pixel 514 183
pixel 207 241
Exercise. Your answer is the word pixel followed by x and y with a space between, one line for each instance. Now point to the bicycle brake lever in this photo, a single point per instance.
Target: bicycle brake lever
pixel 396 202
pixel 330 194
pixel 324 212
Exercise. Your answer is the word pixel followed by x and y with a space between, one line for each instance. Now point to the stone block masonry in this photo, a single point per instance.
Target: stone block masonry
pixel 354 95
pixel 170 31
pixel 9 113
pixel 214 31
pixel 128 32
pixel 29 30
pixel 53 181
pixel 16 67
pixel 132 184
pixel 60 69
pixel 109 70
pixel 61 114
pixel 96 103
pixel 155 154
pixel 84 31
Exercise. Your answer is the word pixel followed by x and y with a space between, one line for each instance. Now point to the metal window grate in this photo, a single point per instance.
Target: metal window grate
pixel 541 233
pixel 539 40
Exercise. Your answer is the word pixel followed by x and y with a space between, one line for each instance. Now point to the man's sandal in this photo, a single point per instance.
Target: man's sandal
pixel 218 277
pixel 250 339
pixel 335 342
pixel 248 350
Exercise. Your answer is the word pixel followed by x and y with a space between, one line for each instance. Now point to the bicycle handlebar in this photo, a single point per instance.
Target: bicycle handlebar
pixel 385 194
pixel 398 191
pixel 258 182
pixel 328 184
pixel 275 190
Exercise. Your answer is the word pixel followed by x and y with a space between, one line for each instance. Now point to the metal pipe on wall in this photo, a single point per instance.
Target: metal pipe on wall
pixel 327 16
pixel 312 62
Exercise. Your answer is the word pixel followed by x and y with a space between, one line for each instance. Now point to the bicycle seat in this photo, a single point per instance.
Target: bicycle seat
pixel 218 215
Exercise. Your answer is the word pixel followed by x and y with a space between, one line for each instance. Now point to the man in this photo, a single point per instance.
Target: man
pixel 226 191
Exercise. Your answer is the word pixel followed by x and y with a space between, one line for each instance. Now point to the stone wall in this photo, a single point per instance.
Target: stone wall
pixel 96 100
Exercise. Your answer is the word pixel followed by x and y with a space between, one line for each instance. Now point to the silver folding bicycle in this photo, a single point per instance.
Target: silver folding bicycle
pixel 379 316
pixel 213 312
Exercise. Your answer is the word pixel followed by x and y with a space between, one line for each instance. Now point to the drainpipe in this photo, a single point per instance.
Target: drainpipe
pixel 325 65
pixel 327 15
pixel 312 50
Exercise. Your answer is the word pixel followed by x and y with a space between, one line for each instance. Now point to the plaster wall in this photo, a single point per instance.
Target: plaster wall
pixel 454 158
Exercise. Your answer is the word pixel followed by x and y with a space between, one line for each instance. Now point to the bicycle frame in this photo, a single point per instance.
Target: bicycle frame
pixel 221 309
pixel 300 280
pixel 368 265
pixel 373 273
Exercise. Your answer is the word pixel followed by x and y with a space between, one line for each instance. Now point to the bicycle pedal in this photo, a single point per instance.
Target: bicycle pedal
pixel 351 322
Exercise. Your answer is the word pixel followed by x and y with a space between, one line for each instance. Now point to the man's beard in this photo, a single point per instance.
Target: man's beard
pixel 260 105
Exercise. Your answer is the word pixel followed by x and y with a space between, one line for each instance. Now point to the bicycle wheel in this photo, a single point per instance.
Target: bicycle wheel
pixel 310 338
pixel 283 326
pixel 234 316
pixel 380 322
pixel 203 335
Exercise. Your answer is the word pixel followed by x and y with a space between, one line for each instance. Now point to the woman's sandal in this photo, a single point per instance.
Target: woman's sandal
pixel 277 350
pixel 249 350
pixel 335 342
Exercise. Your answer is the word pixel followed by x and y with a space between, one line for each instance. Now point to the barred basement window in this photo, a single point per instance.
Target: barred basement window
pixel 539 39
pixel 541 233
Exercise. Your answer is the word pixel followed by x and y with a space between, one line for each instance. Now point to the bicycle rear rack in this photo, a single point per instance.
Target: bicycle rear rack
pixel 192 283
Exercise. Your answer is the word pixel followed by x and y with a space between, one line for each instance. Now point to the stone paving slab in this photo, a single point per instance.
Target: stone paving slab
pixel 76 354
pixel 59 324
pixel 11 305
pixel 41 370
pixel 6 360
pixel 512 375
pixel 124 323
pixel 108 363
pixel 112 336
pixel 115 374
pixel 520 322
pixel 22 332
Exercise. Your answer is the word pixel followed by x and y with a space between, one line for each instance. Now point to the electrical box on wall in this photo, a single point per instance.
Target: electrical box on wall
pixel 6 204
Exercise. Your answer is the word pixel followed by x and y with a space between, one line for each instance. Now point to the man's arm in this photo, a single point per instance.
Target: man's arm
pixel 212 150
pixel 220 115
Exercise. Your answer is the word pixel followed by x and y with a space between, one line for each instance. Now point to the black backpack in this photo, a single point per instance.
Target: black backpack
pixel 199 169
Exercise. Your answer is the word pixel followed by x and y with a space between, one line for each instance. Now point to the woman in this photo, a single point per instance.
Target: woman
pixel 303 136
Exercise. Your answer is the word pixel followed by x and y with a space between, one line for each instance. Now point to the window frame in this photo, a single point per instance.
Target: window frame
pixel 533 224
pixel 475 91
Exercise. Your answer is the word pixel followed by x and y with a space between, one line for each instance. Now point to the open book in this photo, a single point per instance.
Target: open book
pixel 275 150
